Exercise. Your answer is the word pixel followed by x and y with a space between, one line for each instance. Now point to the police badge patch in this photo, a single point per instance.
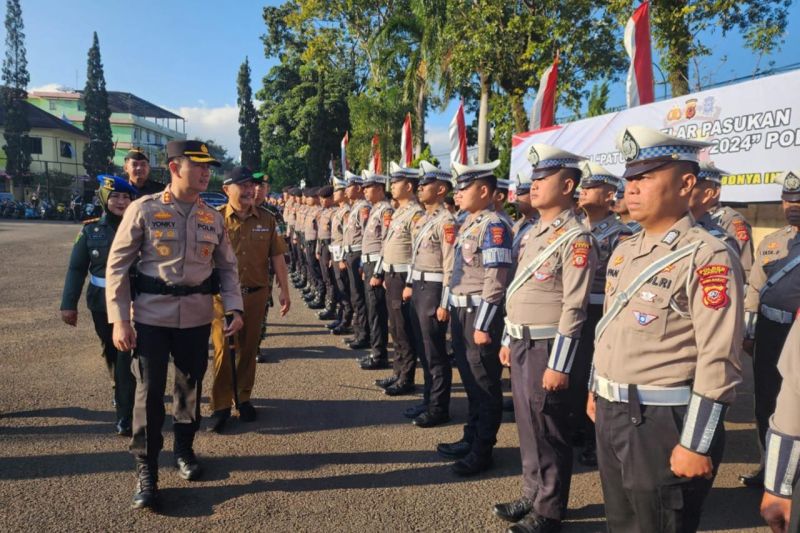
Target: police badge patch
pixel 533 157
pixel 630 148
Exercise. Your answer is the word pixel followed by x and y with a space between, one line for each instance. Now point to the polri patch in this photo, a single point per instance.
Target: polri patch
pixel 644 319
pixel 714 282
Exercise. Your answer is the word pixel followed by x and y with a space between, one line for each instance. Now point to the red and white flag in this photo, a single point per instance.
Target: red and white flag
pixel 406 143
pixel 458 137
pixel 375 165
pixel 543 114
pixel 345 141
pixel 640 88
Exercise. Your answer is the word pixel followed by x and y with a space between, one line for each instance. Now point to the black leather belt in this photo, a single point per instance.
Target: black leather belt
pixel 248 290
pixel 150 285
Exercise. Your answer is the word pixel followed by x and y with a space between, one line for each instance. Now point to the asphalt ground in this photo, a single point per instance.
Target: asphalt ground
pixel 328 452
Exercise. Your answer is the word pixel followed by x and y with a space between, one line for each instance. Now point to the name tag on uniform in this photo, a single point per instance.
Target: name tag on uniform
pixel 260 229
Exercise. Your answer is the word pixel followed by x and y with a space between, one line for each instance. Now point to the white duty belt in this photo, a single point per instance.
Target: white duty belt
pixel 518 331
pixel 370 258
pixel 777 315
pixel 648 394
pixel 417 275
pixel 97 282
pixel 467 300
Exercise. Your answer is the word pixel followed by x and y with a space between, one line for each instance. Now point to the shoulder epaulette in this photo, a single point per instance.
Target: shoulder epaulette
pixel 90 220
pixel 220 207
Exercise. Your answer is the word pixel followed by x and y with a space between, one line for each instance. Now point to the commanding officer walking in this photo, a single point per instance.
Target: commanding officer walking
pixel 781 503
pixel 598 190
pixel 433 238
pixel 666 358
pixel 475 297
pixel 393 265
pixel 546 308
pixel 89 255
pixel 773 296
pixel 324 233
pixel 137 167
pixel 375 228
pixel 259 249
pixel 351 258
pixel 342 284
pixel 177 240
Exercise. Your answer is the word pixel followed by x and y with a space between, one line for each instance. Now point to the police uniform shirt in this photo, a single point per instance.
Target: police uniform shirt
pixel 380 217
pixel 397 240
pixel 482 264
pixel 89 254
pixel 520 231
pixel 356 220
pixel 325 223
pixel 775 251
pixel 684 325
pixel 178 248
pixel 739 228
pixel 338 222
pixel 711 226
pixel 310 223
pixel 607 233
pixel 433 237
pixel 556 294
pixel 255 239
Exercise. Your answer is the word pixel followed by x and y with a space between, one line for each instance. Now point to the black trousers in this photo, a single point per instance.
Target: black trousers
pixel 641 493
pixel 302 261
pixel 769 341
pixel 326 269
pixel 430 335
pixel 544 432
pixel 189 350
pixel 579 375
pixel 357 296
pixel 118 364
pixel 401 319
pixel 314 270
pixel 377 314
pixel 479 367
pixel 343 293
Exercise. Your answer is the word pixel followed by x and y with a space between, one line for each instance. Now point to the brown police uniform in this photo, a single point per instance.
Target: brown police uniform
pixel 666 363
pixel 351 248
pixel 375 228
pixel 177 247
pixel 342 293
pixel 433 237
pixel 736 225
pixel 546 307
pixel 255 240
pixel 324 234
pixel 773 296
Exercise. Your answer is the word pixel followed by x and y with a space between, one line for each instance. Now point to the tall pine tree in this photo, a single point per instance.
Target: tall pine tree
pixel 249 140
pixel 98 158
pixel 13 94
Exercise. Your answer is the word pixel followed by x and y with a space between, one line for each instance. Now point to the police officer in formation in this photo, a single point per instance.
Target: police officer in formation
pixel 89 256
pixel 177 240
pixel 771 301
pixel 351 258
pixel 339 220
pixel 323 253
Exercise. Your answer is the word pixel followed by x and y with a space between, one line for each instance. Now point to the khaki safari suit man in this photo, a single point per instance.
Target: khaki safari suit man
pixel 667 350
pixel 177 240
pixel 258 246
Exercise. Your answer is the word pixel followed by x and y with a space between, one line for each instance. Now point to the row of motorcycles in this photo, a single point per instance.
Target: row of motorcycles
pixel 77 210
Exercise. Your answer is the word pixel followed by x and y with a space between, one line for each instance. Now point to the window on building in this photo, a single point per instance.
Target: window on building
pixel 34 145
pixel 158 138
pixel 148 136
pixel 81 107
pixel 52 105
pixel 66 150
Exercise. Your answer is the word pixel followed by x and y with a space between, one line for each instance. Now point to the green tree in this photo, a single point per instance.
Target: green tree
pixel 99 153
pixel 677 27
pixel 249 136
pixel 598 99
pixel 13 94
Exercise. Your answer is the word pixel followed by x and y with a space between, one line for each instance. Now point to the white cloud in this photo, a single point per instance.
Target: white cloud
pixel 48 87
pixel 220 124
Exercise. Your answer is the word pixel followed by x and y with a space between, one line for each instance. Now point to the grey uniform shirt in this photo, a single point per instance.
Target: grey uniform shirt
pixel 378 222
pixel 354 225
pixel 433 243
pixel 608 233
pixel 397 239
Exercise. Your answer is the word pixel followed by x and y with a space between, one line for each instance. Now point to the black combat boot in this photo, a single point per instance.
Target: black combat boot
pixel 185 459
pixel 145 495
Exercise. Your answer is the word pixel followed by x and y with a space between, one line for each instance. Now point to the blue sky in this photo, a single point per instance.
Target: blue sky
pixel 184 55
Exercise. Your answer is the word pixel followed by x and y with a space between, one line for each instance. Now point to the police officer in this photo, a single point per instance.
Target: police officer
pixel 259 249
pixel 500 198
pixel 667 350
pixel 433 236
pixel 546 308
pixel 705 195
pixel 781 503
pixel 304 280
pixel 773 296
pixel 89 255
pixel 528 216
pixel 394 265
pixel 380 216
pixel 621 209
pixel 137 168
pixel 474 298
pixel 316 296
pixel 324 235
pixel 351 257
pixel 598 191
pixel 177 240
pixel 338 222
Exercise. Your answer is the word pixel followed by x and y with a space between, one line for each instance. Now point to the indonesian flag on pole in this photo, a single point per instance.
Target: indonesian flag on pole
pixel 345 141
pixel 458 136
pixel 406 139
pixel 543 114
pixel 637 43
pixel 375 165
